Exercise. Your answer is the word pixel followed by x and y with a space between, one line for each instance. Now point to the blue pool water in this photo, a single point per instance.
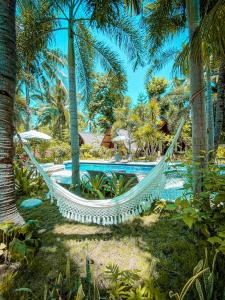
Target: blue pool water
pixel 132 169
pixel 172 189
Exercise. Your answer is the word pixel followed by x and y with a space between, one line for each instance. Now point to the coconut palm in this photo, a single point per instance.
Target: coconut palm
pixel 8 209
pixel 199 133
pixel 54 111
pixel 165 19
pixel 37 64
pixel 74 14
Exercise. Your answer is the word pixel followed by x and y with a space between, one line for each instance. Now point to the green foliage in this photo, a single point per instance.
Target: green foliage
pixel 206 211
pixel 203 278
pixel 102 186
pixel 53 110
pixel 119 184
pixel 27 181
pixel 94 186
pixel 19 243
pixel 86 151
pixel 156 87
pixel 127 284
pixel 205 286
pixel 108 94
pixel 220 154
pixel 197 273
pixel 64 286
pixel 58 151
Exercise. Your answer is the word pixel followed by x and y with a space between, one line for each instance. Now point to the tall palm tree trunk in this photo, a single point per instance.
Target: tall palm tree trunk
pixel 8 209
pixel 210 115
pixel 220 104
pixel 73 108
pixel 27 94
pixel 199 133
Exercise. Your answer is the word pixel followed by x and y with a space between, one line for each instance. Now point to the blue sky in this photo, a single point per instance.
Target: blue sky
pixel 136 80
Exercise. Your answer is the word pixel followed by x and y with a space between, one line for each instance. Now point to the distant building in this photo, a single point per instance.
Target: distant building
pixel 96 140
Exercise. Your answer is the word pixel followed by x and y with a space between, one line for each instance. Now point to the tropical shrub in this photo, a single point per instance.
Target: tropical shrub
pixel 27 181
pixel 18 243
pixel 63 286
pixel 220 154
pixel 86 151
pixel 206 211
pixel 119 184
pixel 102 186
pixel 94 187
pixel 104 153
pixel 58 152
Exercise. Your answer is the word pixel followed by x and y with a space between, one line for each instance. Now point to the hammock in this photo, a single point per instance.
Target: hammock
pixel 118 209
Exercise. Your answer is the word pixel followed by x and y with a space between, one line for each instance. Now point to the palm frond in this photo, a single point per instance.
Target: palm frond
pixel 211 31
pixel 181 62
pixel 159 61
pixel 163 20
pixel 85 55
pixel 123 31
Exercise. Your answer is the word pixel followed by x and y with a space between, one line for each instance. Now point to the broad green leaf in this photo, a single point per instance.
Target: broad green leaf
pixel 214 240
pixel 188 220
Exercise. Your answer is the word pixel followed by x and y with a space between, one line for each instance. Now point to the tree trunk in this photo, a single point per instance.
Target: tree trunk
pixel 73 110
pixel 27 92
pixel 210 115
pixel 220 104
pixel 8 209
pixel 199 133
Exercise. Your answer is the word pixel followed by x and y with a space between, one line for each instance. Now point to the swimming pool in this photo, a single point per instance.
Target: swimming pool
pixel 172 190
pixel 113 167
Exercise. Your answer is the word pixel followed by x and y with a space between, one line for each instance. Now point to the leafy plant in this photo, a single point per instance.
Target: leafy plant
pixel 19 243
pixel 206 211
pixel 127 284
pixel 27 181
pixel 120 184
pixel 198 271
pixel 66 287
pixel 94 186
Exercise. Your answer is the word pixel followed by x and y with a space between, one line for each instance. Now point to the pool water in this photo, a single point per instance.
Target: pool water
pixel 107 168
pixel 172 190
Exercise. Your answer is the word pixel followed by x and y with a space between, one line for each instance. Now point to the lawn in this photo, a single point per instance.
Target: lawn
pixel 132 245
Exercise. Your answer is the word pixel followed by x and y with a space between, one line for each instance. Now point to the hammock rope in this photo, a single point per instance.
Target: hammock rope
pixel 115 210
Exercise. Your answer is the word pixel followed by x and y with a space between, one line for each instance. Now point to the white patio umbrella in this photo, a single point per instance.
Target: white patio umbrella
pixel 120 138
pixel 34 134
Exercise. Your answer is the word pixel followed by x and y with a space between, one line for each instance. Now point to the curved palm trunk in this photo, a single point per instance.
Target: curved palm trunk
pixel 210 115
pixel 73 110
pixel 8 209
pixel 220 105
pixel 199 133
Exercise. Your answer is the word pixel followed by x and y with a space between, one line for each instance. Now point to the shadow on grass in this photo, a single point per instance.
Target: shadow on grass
pixel 132 245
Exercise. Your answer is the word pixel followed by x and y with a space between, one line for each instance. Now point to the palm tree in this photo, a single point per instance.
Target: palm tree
pixel 55 111
pixel 164 20
pixel 75 13
pixel 209 114
pixel 199 133
pixel 220 104
pixel 37 64
pixel 8 209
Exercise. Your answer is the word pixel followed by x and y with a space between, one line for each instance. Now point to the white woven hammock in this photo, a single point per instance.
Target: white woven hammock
pixel 118 209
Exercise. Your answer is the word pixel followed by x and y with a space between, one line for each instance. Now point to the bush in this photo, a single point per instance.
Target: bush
pixel 220 155
pixel 27 181
pixel 88 151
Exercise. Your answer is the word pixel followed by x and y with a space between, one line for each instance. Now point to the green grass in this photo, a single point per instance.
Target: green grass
pixel 131 245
